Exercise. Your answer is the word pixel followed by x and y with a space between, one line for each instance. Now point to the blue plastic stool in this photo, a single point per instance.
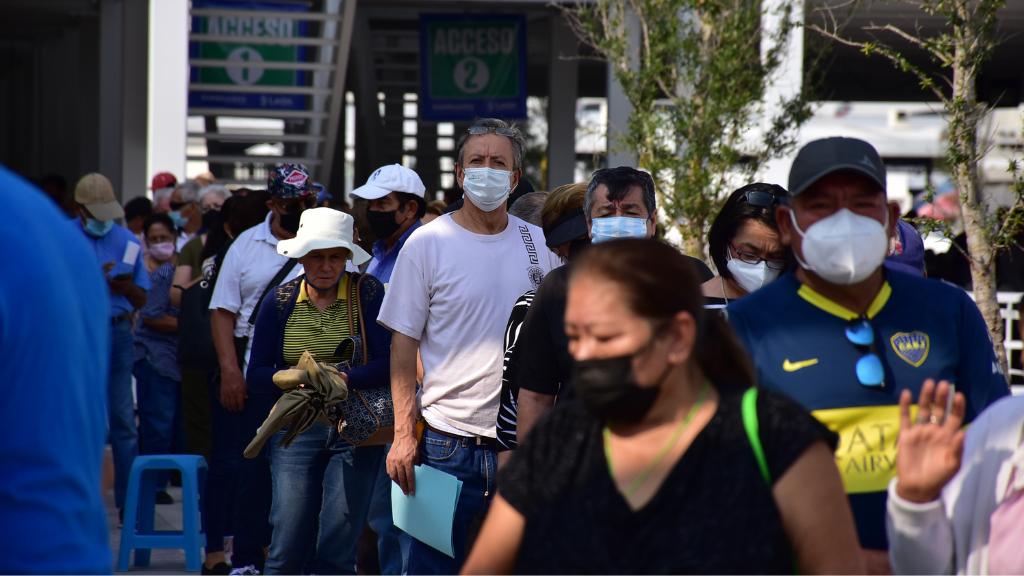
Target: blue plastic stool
pixel 140 506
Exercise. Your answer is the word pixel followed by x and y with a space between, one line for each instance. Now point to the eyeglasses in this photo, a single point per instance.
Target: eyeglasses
pixel 175 206
pixel 762 199
pixel 289 205
pixel 749 258
pixel 861 334
pixel 478 130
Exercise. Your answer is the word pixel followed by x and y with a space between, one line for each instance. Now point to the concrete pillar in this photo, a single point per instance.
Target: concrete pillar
pixel 168 88
pixel 124 48
pixel 111 68
pixel 619 107
pixel 563 74
pixel 134 100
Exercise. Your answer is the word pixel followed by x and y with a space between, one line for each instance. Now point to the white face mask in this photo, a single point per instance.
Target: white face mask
pixel 487 188
pixel 750 277
pixel 844 248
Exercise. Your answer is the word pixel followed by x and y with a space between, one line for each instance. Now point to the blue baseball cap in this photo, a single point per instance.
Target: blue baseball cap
pixel 906 250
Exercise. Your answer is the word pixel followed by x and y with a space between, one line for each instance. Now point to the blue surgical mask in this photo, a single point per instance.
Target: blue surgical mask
pixel 98 228
pixel 487 188
pixel 179 222
pixel 617 227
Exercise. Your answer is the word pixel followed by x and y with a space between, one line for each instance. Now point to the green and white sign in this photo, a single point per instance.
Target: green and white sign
pixel 241 52
pixel 472 66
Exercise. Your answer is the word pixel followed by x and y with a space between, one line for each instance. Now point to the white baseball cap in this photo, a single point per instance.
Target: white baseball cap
pixel 321 228
pixel 393 178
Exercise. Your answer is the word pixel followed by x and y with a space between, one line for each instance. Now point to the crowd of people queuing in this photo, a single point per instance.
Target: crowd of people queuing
pixel 609 404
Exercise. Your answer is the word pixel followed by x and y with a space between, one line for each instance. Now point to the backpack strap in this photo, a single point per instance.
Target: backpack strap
pixel 749 408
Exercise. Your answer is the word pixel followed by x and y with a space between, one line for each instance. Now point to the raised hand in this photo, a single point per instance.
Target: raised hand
pixel 930 448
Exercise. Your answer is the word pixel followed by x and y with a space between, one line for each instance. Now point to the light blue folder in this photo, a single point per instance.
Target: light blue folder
pixel 428 516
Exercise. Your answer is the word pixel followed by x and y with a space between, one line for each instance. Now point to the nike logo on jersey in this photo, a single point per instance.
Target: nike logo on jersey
pixel 794 366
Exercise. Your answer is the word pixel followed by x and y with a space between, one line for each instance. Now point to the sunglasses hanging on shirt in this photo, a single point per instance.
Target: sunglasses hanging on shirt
pixel 861 333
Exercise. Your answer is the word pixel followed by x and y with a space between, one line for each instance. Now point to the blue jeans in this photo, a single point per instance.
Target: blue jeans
pixel 475 466
pixel 324 491
pixel 219 501
pixel 160 417
pixel 124 436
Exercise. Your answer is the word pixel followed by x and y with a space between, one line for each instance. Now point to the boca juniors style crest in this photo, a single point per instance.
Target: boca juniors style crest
pixel 912 347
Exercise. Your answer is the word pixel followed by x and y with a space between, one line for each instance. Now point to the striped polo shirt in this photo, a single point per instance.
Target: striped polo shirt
pixel 320 333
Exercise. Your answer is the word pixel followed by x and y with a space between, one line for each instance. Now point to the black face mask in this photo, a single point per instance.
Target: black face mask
pixel 607 387
pixel 382 224
pixel 290 221
pixel 211 220
pixel 577 246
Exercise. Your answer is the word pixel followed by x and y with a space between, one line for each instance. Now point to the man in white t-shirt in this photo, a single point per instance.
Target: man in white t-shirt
pixel 449 296
pixel 249 266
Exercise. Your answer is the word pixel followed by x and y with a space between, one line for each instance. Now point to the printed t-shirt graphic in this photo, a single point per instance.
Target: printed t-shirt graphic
pixel 922 328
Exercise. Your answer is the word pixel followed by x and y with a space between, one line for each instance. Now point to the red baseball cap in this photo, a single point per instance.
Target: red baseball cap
pixel 163 180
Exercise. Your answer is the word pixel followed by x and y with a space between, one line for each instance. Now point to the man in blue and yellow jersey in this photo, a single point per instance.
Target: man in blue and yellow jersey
pixel 844 336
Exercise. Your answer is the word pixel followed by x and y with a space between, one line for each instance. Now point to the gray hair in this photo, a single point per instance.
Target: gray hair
pixel 620 180
pixel 162 193
pixel 216 190
pixel 528 206
pixel 189 191
pixel 493 124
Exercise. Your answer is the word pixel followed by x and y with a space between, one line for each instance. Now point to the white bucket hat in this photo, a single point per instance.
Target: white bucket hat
pixel 321 228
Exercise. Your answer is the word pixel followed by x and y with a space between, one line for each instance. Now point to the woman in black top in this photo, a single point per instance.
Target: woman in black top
pixel 744 244
pixel 651 469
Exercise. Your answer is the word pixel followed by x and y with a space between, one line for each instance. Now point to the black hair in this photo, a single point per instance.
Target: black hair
pixel 734 213
pixel 217 236
pixel 158 219
pixel 139 206
pixel 658 282
pixel 421 203
pixel 619 181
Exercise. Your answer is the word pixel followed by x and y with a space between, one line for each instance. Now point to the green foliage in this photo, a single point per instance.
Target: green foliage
pixel 695 74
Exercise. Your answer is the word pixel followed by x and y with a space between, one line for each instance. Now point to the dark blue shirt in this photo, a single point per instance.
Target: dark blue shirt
pixel 114 247
pixel 923 329
pixel 54 363
pixel 160 347
pixel 383 261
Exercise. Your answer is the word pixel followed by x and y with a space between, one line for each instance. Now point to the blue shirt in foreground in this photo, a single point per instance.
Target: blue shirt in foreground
pixel 54 363
pixel 383 261
pixel 116 246
pixel 923 329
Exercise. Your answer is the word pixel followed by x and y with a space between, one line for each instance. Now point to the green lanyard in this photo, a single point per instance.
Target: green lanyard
pixel 657 459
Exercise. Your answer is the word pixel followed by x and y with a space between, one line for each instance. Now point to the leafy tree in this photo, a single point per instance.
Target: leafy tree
pixel 961 47
pixel 695 73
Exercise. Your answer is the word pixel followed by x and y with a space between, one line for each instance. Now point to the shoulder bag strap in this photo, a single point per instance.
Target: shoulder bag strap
pixel 274 282
pixel 750 423
pixel 362 325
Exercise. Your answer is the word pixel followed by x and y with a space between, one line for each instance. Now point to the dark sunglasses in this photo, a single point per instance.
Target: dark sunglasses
pixel 861 334
pixel 763 199
pixel 175 206
pixel 292 204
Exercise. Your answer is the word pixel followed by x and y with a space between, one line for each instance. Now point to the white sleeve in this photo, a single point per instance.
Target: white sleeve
pixel 407 300
pixel 920 535
pixel 227 292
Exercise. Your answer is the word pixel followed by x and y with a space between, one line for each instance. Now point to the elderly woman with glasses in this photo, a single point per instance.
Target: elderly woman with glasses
pixel 744 244
pixel 324 488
